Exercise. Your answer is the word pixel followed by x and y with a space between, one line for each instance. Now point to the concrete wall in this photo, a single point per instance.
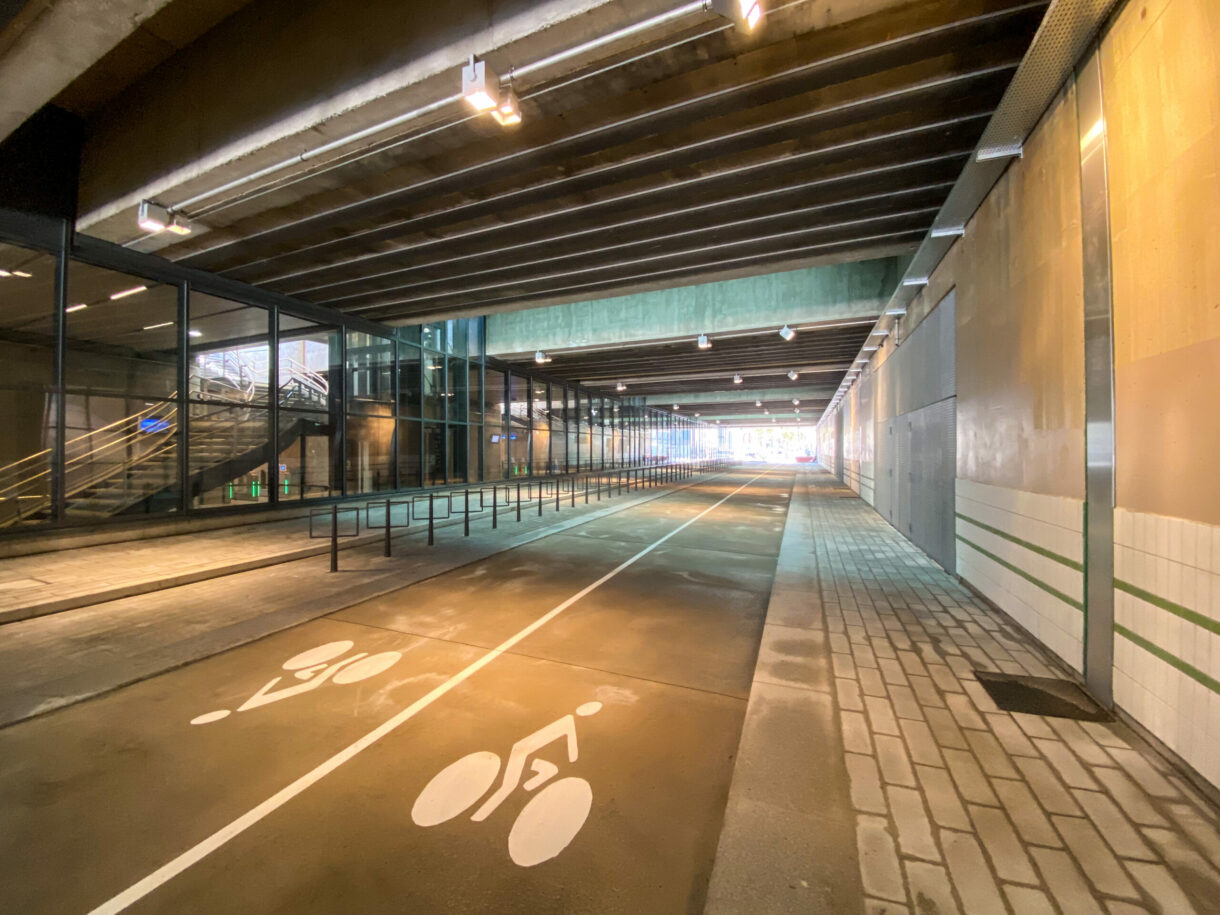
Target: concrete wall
pixel 1020 477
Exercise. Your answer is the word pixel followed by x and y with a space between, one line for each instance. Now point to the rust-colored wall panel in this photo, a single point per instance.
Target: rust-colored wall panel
pixel 1161 73
pixel 1020 344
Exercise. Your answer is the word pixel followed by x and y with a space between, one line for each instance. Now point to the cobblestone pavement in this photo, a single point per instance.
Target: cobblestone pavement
pixel 962 807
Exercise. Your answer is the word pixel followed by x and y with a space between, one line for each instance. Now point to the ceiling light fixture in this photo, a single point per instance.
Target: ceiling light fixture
pixel 787 332
pixel 870 349
pixel 508 112
pixel 758 403
pixel 152 217
pixel 180 225
pixel 745 14
pixel 5 273
pixel 948 231
pixel 194 333
pixel 540 357
pixel 736 379
pixel 880 333
pixel 22 274
pixel 675 406
pixel 124 293
pixel 620 387
pixel 72 308
pixel 703 342
pixel 796 401
pixel 896 312
pixel 159 326
pixel 480 85
pixel 915 281
pixel 793 375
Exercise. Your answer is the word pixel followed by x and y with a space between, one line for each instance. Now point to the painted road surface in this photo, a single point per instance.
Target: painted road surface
pixel 548 730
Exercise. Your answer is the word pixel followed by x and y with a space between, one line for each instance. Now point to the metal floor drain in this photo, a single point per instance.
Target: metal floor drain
pixel 1041 696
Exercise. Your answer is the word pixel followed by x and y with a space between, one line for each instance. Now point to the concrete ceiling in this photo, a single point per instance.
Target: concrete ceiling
pixel 694 152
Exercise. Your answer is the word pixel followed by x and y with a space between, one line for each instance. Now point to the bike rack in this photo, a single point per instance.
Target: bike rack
pixel 417 501
pixel 381 506
pixel 327 513
pixel 459 506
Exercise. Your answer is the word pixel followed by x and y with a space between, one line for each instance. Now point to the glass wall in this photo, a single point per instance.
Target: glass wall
pixel 171 398
pixel 27 386
pixel 228 388
pixel 309 371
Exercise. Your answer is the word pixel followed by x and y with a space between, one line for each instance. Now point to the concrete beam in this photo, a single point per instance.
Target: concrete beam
pixel 814 295
pixel 803 392
pixel 223 108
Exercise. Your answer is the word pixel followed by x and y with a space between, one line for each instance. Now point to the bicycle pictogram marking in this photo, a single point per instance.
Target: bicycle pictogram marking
pixel 313 668
pixel 548 822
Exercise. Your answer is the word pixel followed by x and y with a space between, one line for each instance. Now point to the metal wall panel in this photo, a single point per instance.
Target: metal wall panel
pixel 933 443
pixel 883 467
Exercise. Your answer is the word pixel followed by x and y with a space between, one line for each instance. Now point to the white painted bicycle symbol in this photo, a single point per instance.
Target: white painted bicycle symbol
pixel 314 668
pixel 548 822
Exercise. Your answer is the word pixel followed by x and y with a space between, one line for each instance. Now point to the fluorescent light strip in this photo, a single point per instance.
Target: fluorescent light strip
pixel 122 294
pixel 162 324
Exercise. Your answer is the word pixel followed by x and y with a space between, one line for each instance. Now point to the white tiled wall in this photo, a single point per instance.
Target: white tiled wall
pixel 1178 561
pixel 1054 523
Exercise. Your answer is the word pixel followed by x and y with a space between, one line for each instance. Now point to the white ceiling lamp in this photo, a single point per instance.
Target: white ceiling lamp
pixel 880 333
pixel 766 412
pixel 870 349
pixel 947 231
pixel 78 307
pixel 787 332
pixel 194 333
pixel 896 312
pixel 152 217
pixel 703 342
pixel 508 112
pixel 915 281
pixel 698 414
pixel 746 14
pixel 124 293
pixel 736 379
pixel 179 225
pixel 620 387
pixel 159 326
pixel 758 403
pixel 796 401
pixel 797 410
pixel 20 273
pixel 793 375
pixel 480 85
pixel 675 406
pixel 541 358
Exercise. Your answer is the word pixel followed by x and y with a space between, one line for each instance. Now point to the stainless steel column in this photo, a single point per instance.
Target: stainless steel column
pixel 1098 385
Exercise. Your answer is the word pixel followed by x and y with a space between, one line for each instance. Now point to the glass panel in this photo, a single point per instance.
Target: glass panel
pixel 408 454
pixel 27 385
pixel 434 454
pixel 308 364
pixel 474 391
pixel 474 441
pixel 455 336
pixel 495 455
pixel 519 425
pixel 455 455
pixel 370 453
pixel 432 336
pixel 124 342
pixel 434 386
pixel 540 439
pixel 559 438
pixel 230 448
pixel 409 334
pixel 230 352
pixel 474 338
pixel 370 374
pixel 305 443
pixel 121 457
pixel 410 397
pixel 457 395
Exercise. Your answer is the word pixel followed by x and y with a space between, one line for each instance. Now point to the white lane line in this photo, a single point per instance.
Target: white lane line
pixel 167 872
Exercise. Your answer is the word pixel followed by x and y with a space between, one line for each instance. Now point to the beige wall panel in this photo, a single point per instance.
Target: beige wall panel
pixel 1161 76
pixel 1020 344
pixel 1168 435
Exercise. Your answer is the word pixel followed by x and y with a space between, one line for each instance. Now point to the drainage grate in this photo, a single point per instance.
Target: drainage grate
pixel 1041 696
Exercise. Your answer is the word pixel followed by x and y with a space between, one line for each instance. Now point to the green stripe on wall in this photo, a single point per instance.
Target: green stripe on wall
pixel 1054 592
pixel 1032 547
pixel 1169 606
pixel 1193 672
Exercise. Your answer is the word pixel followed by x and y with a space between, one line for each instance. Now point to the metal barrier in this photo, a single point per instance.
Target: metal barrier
pixel 333 512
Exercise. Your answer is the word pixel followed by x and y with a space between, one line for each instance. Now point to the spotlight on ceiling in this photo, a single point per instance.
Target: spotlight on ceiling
pixel 480 85
pixel 620 387
pixel 796 401
pixel 23 274
pixel 703 342
pixel 540 357
pixel 793 375
pixel 758 403
pixel 746 14
pixel 736 379
pixel 675 406
pixel 179 225
pixel 797 410
pixel 152 217
pixel 787 332
pixel 509 110
pixel 698 414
